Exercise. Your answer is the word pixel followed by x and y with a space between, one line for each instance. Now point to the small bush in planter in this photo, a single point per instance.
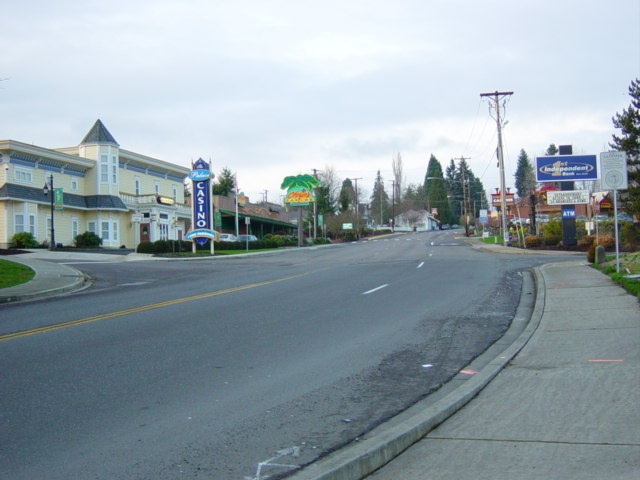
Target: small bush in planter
pixel 24 240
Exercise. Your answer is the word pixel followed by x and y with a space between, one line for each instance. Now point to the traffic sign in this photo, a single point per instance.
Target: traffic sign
pixel 613 166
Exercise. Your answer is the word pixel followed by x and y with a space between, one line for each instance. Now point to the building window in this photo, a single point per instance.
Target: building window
pixel 18 223
pixel 91 227
pixel 175 193
pixel 22 175
pixel 104 169
pixel 157 187
pixel 75 227
pixel 32 224
pixel 74 184
pixel 115 231
pixel 105 230
pixel 114 174
pixel 137 180
pixel 164 231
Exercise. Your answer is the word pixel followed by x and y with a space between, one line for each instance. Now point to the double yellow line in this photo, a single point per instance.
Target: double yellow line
pixel 143 308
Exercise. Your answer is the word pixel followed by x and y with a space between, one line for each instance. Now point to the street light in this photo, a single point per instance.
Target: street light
pixel 48 188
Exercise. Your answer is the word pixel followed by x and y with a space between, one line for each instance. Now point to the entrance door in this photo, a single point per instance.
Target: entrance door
pixel 145 236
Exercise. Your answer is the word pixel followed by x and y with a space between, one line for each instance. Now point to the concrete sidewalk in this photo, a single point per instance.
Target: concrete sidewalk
pixel 53 278
pixel 559 401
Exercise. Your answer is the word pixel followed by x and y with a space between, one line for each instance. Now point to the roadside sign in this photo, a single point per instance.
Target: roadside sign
pixel 613 168
pixel 568 197
pixel 347 226
pixel 568 213
pixel 566 168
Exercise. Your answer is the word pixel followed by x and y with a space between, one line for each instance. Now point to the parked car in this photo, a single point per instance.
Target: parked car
pixel 247 238
pixel 227 237
pixel 542 218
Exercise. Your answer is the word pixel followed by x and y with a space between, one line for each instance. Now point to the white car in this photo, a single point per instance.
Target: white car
pixel 227 237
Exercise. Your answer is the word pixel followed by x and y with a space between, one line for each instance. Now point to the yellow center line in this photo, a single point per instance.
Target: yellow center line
pixel 152 306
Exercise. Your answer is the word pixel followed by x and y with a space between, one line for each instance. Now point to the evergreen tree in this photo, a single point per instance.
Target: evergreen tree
pixel 629 141
pixel 435 191
pixel 379 205
pixel 223 184
pixel 347 195
pixel 551 150
pixel 525 179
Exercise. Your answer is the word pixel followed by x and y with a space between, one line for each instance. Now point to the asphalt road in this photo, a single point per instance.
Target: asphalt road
pixel 219 369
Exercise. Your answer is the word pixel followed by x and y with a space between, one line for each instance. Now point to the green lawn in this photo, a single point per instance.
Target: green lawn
pixel 14 274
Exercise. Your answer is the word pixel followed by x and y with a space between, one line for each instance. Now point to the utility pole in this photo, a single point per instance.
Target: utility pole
pixel 496 97
pixel 264 195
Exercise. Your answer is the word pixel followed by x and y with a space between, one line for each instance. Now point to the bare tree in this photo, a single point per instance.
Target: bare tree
pixel 398 176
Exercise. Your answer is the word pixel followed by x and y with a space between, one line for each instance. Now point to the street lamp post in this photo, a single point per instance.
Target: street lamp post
pixel 48 188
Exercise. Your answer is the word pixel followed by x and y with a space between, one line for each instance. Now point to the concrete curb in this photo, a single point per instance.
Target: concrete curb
pixel 384 443
pixel 50 279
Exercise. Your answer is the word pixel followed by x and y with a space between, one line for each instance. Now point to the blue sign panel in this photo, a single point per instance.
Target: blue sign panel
pixel 566 168
pixel 201 232
pixel 568 213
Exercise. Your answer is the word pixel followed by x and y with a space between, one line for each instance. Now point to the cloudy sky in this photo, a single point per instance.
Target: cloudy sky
pixel 281 87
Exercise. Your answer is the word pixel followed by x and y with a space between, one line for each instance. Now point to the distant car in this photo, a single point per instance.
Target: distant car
pixel 581 218
pixel 542 218
pixel 602 218
pixel 227 237
pixel 624 217
pixel 247 238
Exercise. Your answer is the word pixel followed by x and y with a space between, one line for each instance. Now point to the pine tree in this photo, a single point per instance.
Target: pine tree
pixel 223 184
pixel 379 205
pixel 629 141
pixel 347 195
pixel 525 179
pixel 435 191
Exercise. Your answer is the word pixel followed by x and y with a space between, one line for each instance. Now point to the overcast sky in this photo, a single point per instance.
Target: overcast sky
pixel 280 87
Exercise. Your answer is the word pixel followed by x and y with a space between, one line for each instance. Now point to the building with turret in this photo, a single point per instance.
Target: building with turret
pixel 121 196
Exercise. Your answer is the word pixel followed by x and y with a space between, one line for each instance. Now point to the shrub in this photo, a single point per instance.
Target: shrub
pixel 24 240
pixel 551 240
pixel 532 241
pixel 277 239
pixel 607 241
pixel 146 247
pixel 87 239
pixel 586 242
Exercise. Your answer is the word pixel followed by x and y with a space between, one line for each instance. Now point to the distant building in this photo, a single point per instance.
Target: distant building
pixel 121 196
pixel 418 220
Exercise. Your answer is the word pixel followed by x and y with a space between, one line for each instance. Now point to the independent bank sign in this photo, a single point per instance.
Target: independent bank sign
pixel 201 177
pixel 566 168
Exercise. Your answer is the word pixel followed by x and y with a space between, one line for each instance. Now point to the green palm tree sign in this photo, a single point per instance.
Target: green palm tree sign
pixel 299 189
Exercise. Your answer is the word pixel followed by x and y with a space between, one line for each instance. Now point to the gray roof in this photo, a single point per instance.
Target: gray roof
pixel 11 191
pixel 99 134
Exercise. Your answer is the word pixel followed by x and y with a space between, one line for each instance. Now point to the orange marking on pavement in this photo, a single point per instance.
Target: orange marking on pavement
pixel 468 372
pixel 607 360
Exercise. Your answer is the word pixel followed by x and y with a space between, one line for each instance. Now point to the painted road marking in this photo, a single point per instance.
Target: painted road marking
pixel 143 308
pixel 421 264
pixel 375 289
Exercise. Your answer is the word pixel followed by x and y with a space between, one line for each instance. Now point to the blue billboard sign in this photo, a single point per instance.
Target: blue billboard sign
pixel 201 178
pixel 566 168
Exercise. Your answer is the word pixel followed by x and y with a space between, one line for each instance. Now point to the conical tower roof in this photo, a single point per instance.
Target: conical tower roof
pixel 99 134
